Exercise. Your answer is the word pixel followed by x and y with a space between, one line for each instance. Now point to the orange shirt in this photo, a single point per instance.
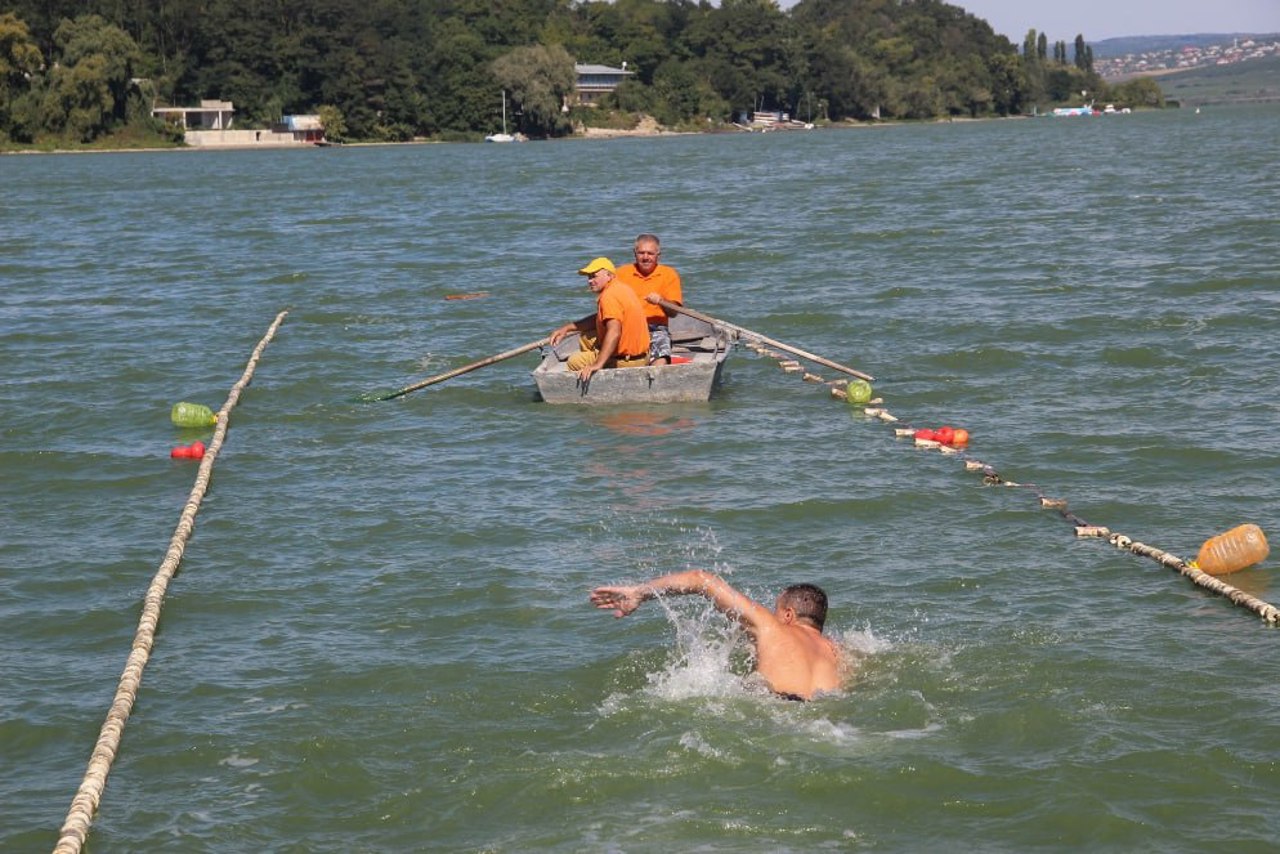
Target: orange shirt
pixel 664 281
pixel 618 302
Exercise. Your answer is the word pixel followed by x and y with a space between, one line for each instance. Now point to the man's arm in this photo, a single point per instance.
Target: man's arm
pixel 608 346
pixel 623 600
pixel 655 297
pixel 668 289
pixel 582 325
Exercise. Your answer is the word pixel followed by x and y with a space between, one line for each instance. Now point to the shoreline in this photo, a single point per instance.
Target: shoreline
pixel 647 128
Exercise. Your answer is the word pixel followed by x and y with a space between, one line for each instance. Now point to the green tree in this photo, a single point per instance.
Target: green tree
pixel 903 59
pixel 540 80
pixel 650 35
pixel 1009 86
pixel 850 84
pixel 396 68
pixel 77 102
pixel 743 52
pixel 463 95
pixel 1030 52
pixel 88 88
pixel 680 95
pixel 335 127
pixel 19 59
pixel 1138 92
pixel 1028 86
pixel 43 17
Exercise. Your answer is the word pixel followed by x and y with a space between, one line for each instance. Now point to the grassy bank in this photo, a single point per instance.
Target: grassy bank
pixel 125 139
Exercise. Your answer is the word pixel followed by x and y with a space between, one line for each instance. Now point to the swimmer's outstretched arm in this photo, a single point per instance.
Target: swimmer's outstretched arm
pixel 623 600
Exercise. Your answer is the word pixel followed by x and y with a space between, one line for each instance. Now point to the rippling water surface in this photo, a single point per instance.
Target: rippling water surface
pixel 380 639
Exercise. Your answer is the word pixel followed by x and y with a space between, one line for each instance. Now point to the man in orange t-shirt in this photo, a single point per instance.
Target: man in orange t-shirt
pixel 653 281
pixel 616 336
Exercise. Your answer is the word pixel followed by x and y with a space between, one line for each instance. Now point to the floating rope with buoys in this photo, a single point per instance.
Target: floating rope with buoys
pixel 858 393
pixel 991 477
pixel 75 829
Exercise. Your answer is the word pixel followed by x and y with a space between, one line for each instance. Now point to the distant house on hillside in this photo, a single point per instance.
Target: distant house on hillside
pixel 597 80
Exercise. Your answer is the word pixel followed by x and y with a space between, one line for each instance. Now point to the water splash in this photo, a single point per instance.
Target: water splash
pixel 710 657
pixel 713 657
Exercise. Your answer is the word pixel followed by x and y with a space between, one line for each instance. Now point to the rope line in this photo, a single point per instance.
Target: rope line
pixel 85 803
pixel 991 477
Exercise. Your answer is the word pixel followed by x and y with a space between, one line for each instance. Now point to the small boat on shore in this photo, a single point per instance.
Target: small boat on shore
pixel 1086 110
pixel 698 354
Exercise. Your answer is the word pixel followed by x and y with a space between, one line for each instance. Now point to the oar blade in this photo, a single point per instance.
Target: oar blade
pixel 375 396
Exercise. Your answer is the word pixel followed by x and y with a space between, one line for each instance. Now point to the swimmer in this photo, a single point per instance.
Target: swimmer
pixel 792 655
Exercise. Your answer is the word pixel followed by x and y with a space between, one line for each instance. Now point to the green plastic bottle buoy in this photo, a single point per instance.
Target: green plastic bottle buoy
pixel 192 415
pixel 858 392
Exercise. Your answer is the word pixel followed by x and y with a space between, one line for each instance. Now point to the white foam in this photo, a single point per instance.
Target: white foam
pixel 237 761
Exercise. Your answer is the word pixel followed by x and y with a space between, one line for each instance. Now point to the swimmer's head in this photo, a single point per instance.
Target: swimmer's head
pixel 808 601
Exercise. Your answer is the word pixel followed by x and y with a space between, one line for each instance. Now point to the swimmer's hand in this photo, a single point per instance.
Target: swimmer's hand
pixel 621 600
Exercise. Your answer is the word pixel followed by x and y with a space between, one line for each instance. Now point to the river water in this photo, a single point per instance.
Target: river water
pixel 380 639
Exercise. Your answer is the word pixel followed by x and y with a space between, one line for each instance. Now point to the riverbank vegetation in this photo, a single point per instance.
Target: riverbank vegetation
pixel 402 69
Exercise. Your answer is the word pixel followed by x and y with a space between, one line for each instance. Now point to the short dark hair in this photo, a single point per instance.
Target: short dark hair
pixel 809 602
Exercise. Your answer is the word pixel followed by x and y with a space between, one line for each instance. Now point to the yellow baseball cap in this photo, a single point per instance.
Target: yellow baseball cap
pixel 596 265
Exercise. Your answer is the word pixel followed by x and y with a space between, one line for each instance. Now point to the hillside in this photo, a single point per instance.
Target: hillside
pixel 1116 47
pixel 1252 82
pixel 1157 55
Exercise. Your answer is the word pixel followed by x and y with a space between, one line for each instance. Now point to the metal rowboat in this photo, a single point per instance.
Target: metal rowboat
pixel 698 350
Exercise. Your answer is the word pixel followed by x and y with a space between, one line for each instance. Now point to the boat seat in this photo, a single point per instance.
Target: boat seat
pixel 710 344
pixel 685 328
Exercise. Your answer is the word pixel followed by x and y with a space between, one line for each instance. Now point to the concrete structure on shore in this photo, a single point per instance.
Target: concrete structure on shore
pixel 211 114
pixel 209 126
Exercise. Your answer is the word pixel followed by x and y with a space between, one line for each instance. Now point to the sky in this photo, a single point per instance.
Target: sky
pixel 1061 20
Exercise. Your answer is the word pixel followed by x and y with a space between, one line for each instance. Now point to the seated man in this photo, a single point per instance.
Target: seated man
pixel 653 281
pixel 792 656
pixel 616 336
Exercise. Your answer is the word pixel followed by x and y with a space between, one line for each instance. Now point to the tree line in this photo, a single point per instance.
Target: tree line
pixel 399 69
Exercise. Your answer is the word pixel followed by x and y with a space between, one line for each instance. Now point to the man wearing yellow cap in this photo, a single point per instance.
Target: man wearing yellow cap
pixel 617 335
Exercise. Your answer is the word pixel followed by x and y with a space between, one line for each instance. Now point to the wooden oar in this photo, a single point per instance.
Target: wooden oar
pixel 448 375
pixel 706 318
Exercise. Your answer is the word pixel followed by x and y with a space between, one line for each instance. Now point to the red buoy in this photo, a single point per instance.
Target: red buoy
pixel 195 451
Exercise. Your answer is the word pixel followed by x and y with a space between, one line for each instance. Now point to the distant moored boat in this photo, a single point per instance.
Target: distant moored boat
pixel 504 136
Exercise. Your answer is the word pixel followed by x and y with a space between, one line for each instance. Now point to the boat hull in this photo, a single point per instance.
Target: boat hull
pixel 681 382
